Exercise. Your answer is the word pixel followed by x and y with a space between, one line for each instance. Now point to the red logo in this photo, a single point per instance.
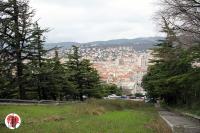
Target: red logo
pixel 12 121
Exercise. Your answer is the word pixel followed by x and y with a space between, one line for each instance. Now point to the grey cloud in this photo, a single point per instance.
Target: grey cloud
pixel 89 20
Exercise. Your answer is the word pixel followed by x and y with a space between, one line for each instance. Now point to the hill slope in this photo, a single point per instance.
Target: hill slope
pixel 138 43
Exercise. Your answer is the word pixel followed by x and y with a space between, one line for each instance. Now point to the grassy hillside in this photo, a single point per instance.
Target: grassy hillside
pixel 94 116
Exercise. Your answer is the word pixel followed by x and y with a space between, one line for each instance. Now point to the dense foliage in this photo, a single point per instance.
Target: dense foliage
pixel 174 75
pixel 175 80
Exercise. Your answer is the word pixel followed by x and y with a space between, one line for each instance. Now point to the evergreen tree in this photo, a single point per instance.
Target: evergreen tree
pixel 57 80
pixel 16 34
pixel 82 75
pixel 34 71
pixel 172 77
pixel 90 79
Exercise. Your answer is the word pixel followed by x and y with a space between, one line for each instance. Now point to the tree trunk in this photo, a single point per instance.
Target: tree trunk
pixel 19 77
pixel 18 52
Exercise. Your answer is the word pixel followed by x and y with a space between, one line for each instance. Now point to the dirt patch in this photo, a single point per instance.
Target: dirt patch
pixel 53 118
pixel 90 109
pixel 46 119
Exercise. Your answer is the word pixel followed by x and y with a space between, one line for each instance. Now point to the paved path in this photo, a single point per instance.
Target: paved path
pixel 178 123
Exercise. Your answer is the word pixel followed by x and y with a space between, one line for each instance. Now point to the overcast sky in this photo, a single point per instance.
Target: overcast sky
pixel 92 20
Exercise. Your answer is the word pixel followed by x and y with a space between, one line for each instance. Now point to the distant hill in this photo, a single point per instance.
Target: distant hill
pixel 139 44
pixel 63 45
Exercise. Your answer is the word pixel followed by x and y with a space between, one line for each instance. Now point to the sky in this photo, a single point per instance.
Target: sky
pixel 95 20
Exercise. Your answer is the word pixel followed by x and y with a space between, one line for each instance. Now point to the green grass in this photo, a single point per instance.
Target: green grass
pixel 94 116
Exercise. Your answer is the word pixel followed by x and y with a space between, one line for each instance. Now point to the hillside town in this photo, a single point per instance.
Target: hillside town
pixel 120 65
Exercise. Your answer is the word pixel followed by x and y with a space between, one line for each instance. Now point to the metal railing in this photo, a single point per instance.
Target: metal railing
pixel 30 101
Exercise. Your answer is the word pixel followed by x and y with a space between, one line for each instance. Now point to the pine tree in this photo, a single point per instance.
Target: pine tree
pixel 90 79
pixel 84 78
pixel 57 78
pixel 54 83
pixel 16 34
pixel 172 77
pixel 35 70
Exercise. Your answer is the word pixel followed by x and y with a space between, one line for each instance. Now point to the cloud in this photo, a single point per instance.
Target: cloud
pixel 89 20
